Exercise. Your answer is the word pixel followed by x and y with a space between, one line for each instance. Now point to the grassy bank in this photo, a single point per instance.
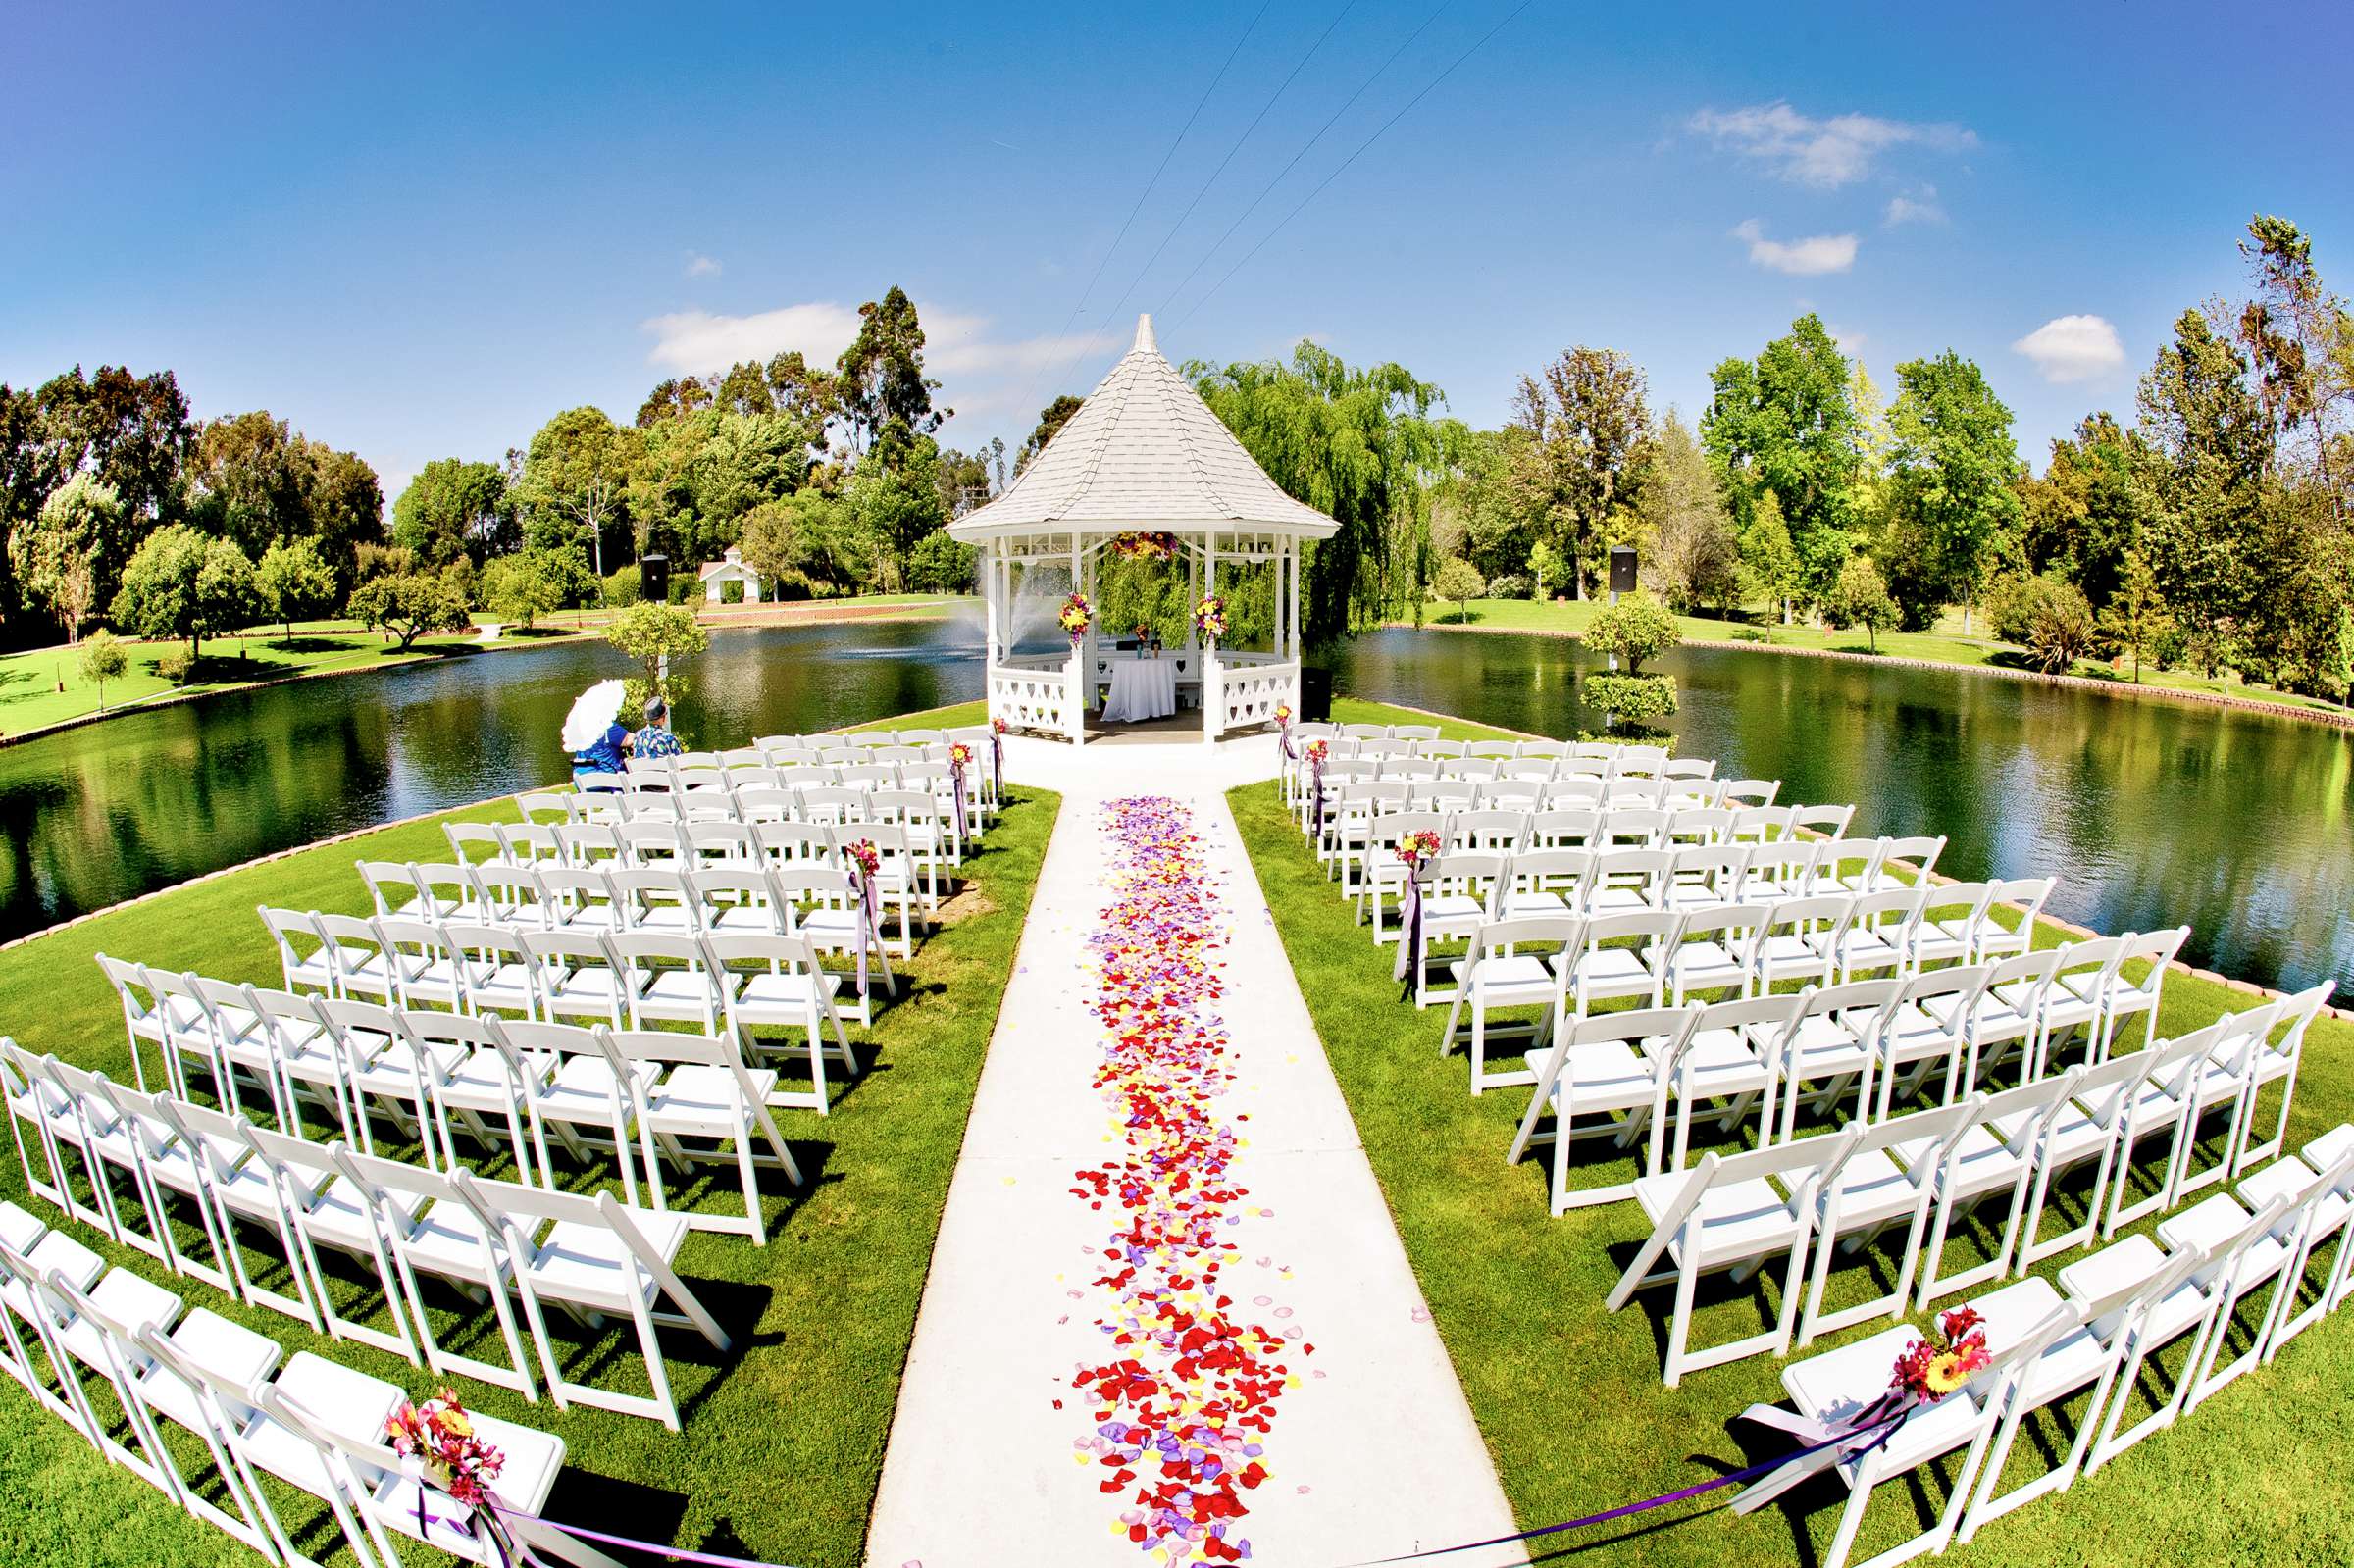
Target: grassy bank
pixel 1944 643
pixel 45 687
pixel 784 1437
pixel 1568 1397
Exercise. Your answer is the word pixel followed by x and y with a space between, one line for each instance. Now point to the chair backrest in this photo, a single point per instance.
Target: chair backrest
pixel 648 843
pixel 137 992
pixel 1829 821
pixel 1873 997
pixel 1563 827
pixel 578 945
pixel 545 806
pixel 1745 794
pixel 2155 948
pixel 518 1036
pixel 474 842
pixel 390 885
pixel 1664 1031
pixel 1650 927
pixel 588 844
pixel 778 951
pixel 1565 932
pixel 1916 856
pixel 1502 830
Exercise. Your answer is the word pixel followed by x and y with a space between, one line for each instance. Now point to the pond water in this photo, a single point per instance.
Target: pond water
pixel 2150 813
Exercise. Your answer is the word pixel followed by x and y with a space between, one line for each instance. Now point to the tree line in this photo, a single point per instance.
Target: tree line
pixel 121 507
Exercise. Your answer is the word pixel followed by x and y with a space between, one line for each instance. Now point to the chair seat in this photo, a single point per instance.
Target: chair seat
pixel 2016 1310
pixel 1502 980
pixel 530 1461
pixel 20 1228
pixel 1707 965
pixel 236 1355
pixel 342 1218
pixel 480 1082
pixel 583 1090
pixel 775 992
pixel 348 1400
pixel 1738 1222
pixel 1870 1188
pixel 1983 1163
pixel 447 1240
pixel 1719 1062
pixel 395 1074
pixel 130 1299
pixel 1602 1076
pixel 702 1099
pixel 589 1265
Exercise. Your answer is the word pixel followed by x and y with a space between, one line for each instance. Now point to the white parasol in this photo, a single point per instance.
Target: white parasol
pixel 593 711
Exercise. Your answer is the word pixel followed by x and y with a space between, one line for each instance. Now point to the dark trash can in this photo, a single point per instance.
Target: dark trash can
pixel 1315 695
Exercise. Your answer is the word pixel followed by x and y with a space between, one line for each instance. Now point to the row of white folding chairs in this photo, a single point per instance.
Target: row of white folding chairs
pixel 1954 1031
pixel 502 1080
pixel 121 1359
pixel 1551 861
pixel 1424 740
pixel 1977 1020
pixel 742 759
pixel 728 982
pixel 1772 928
pixel 589 1257
pixel 1802 1200
pixel 2099 1334
pixel 791 898
pixel 911 858
pixel 1369 823
pixel 838 799
pixel 1420 784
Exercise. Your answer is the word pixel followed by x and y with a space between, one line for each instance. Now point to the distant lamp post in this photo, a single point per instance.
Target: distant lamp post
pixel 1622 579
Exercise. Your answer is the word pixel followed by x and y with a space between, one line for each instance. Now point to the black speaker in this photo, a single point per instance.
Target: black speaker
pixel 1622 569
pixel 1315 695
pixel 654 573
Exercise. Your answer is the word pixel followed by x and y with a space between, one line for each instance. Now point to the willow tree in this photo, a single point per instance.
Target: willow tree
pixel 1358 444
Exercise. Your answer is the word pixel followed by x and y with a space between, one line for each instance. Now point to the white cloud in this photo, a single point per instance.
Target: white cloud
pixel 699 265
pixel 1828 153
pixel 1919 206
pixel 694 342
pixel 1851 343
pixel 1800 257
pixel 2074 348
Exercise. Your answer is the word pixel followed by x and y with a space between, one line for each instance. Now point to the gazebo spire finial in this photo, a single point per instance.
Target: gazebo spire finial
pixel 1143 333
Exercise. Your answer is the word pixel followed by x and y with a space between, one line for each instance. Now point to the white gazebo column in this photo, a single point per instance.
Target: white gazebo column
pixel 1294 619
pixel 1077 672
pixel 1213 696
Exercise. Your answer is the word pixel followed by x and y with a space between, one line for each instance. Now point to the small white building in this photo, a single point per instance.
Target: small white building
pixel 730 568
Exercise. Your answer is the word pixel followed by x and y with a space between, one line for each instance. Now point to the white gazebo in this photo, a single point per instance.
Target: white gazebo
pixel 1144 454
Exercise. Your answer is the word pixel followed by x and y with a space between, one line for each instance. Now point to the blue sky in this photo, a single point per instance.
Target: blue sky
pixel 418 231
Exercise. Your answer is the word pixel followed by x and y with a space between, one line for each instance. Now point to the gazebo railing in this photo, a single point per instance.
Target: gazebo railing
pixel 1037 693
pixel 1242 689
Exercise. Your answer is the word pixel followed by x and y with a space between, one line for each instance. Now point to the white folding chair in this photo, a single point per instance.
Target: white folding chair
pixel 592 1257
pixel 1991 1161
pixel 772 982
pixel 1884 1178
pixel 1729 1214
pixel 706 1093
pixel 1518 962
pixel 1601 1076
pixel 2277 1063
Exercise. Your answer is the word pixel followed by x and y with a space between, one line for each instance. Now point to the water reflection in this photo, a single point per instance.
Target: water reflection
pixel 140 802
pixel 2151 813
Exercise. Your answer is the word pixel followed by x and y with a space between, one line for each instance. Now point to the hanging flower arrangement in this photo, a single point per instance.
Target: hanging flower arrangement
pixel 862 853
pixel 1144 546
pixel 1932 1368
pixel 1417 846
pixel 1209 617
pixel 440 1434
pixel 1075 616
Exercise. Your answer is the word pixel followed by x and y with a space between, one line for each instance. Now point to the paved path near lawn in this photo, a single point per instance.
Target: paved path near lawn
pixel 1370 1450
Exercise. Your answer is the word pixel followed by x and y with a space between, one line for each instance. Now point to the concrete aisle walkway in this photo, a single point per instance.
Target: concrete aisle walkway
pixel 1371 1452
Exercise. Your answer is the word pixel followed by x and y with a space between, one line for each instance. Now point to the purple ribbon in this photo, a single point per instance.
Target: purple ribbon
pixel 1847 1435
pixel 996 762
pixel 1316 789
pixel 1283 738
pixel 706 1559
pixel 1410 941
pixel 868 918
pixel 956 779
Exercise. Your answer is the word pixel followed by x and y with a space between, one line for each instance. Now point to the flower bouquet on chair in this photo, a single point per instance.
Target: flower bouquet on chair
pixel 439 1439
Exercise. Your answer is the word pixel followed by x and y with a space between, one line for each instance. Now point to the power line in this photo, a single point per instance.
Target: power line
pixel 1303 151
pixel 1352 157
pixel 1281 88
pixel 1145 194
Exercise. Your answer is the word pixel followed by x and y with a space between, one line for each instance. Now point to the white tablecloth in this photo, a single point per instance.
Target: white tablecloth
pixel 1141 689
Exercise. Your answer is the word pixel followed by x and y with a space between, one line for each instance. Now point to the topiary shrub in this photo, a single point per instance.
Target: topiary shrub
pixel 174 666
pixel 1637 700
pixel 1510 586
pixel 1635 628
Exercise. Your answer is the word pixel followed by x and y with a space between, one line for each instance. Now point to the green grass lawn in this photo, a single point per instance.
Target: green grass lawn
pixel 30 698
pixel 784 1437
pixel 1944 643
pixel 1568 1397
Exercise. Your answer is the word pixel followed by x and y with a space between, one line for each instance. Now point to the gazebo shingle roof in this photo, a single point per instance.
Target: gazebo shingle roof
pixel 1145 453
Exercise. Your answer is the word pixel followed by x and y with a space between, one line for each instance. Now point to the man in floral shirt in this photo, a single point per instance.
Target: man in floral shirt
pixel 655 739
